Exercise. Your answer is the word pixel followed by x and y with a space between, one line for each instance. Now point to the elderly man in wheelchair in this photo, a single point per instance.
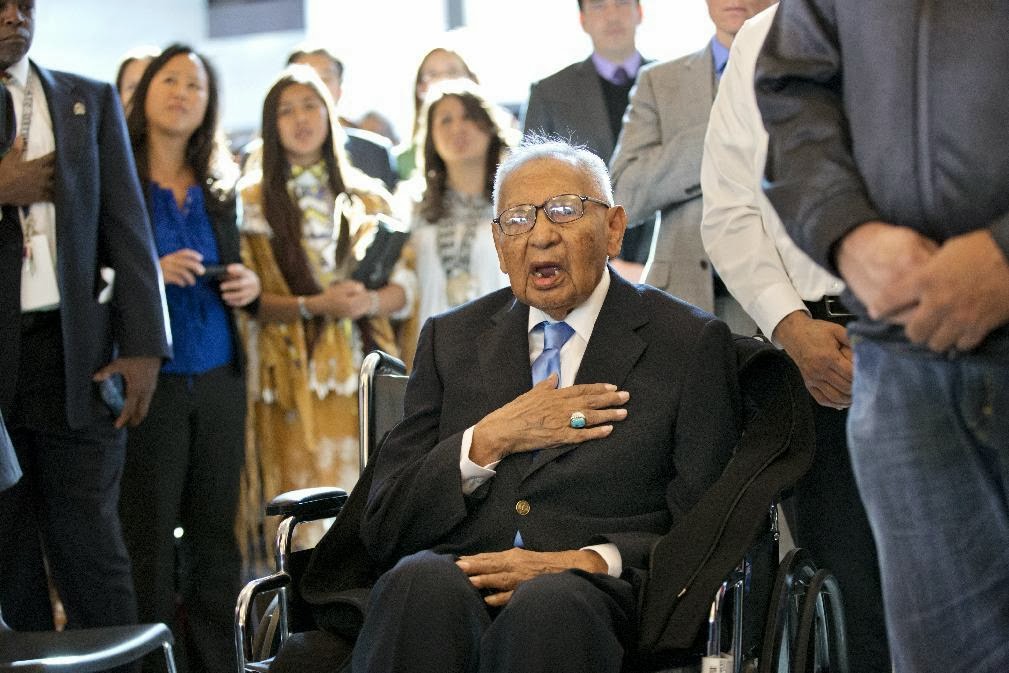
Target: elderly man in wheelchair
pixel 567 488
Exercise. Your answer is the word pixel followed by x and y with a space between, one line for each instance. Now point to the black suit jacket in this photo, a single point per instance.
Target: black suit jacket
pixel 7 129
pixel 372 154
pixel 100 221
pixel 676 361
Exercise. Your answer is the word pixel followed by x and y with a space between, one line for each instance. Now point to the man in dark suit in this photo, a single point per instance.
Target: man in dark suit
pixel 73 216
pixel 517 516
pixel 585 102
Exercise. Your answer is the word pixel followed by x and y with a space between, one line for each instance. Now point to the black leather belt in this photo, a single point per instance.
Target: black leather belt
pixel 830 307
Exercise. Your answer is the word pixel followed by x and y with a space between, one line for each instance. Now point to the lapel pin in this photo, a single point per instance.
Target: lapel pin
pixel 79 108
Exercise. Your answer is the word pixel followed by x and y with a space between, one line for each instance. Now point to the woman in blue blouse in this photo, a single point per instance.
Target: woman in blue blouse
pixel 184 461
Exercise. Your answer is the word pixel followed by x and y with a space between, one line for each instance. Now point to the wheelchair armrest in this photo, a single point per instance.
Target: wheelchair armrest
pixel 244 616
pixel 308 504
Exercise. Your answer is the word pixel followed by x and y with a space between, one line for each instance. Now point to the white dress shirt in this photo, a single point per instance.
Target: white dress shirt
pixel 40 143
pixel 746 241
pixel 583 320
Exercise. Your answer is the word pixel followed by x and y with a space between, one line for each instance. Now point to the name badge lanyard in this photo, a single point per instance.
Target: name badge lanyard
pixel 27 221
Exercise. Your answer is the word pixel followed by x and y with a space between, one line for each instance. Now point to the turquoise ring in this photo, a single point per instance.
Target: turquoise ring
pixel 577 420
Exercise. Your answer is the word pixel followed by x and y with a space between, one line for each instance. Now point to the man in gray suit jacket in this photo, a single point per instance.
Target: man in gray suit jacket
pixel 657 163
pixel 515 517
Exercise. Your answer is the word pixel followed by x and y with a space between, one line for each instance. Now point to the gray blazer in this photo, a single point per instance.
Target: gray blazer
pixel 657 166
pixel 629 488
pixel 570 103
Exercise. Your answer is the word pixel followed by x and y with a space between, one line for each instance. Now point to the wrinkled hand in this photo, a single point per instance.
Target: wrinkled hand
pixel 501 572
pixel 182 267
pixel 240 287
pixel 346 299
pixel 23 183
pixel 140 376
pixel 823 354
pixel 541 417
pixel 962 294
pixel 877 260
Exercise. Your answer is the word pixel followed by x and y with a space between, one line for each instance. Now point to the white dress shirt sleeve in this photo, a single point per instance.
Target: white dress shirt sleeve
pixel 473 475
pixel 733 226
pixel 743 235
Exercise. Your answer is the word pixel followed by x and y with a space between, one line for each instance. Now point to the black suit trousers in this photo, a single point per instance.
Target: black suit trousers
pixel 424 616
pixel 183 468
pixel 65 508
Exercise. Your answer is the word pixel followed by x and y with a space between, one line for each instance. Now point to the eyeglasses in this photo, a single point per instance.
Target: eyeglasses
pixel 559 209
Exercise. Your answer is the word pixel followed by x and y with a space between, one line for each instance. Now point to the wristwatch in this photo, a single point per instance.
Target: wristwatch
pixel 303 309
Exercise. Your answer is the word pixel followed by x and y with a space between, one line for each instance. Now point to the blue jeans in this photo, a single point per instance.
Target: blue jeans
pixel 929 439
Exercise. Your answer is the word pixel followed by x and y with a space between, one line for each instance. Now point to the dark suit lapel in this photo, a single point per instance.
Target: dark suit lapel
pixel 503 353
pixel 615 345
pixel 613 350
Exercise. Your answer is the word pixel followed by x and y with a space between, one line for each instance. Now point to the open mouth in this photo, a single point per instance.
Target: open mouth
pixel 545 275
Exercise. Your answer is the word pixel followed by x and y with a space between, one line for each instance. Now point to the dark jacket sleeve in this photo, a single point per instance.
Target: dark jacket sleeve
pixel 140 324
pixel 536 115
pixel 811 176
pixel 417 487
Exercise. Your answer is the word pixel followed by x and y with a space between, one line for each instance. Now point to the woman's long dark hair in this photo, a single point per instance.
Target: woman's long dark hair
pixel 279 207
pixel 478 108
pixel 203 143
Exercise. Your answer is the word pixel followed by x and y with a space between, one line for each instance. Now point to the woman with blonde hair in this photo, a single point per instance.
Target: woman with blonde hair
pixel 308 219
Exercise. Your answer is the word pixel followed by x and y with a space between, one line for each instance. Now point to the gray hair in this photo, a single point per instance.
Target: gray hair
pixel 552 147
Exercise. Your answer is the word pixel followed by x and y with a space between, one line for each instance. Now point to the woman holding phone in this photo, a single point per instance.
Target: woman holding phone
pixel 184 461
pixel 308 219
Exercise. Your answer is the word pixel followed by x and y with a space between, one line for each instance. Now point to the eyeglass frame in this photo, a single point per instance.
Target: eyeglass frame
pixel 536 210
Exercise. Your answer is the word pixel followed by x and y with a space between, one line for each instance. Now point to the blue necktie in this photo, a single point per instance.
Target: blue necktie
pixel 555 335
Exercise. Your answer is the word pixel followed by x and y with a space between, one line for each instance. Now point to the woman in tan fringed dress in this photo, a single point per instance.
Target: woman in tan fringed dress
pixel 308 217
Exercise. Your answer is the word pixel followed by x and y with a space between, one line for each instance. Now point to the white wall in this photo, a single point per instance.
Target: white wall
pixel 509 43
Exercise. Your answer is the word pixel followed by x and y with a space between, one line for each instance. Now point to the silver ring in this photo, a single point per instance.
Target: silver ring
pixel 577 420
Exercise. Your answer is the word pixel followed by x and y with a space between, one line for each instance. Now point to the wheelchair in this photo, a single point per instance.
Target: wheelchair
pixel 773 617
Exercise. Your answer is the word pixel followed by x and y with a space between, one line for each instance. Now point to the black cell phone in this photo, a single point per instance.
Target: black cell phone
pixel 215 271
pixel 111 390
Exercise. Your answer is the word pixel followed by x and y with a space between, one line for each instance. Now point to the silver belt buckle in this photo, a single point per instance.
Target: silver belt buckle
pixel 834 307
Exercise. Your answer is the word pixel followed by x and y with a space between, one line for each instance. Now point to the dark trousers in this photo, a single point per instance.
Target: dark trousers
pixel 64 510
pixel 183 468
pixel 425 616
pixel 832 524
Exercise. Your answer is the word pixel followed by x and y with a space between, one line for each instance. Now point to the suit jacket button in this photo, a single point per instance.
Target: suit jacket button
pixel 522 507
